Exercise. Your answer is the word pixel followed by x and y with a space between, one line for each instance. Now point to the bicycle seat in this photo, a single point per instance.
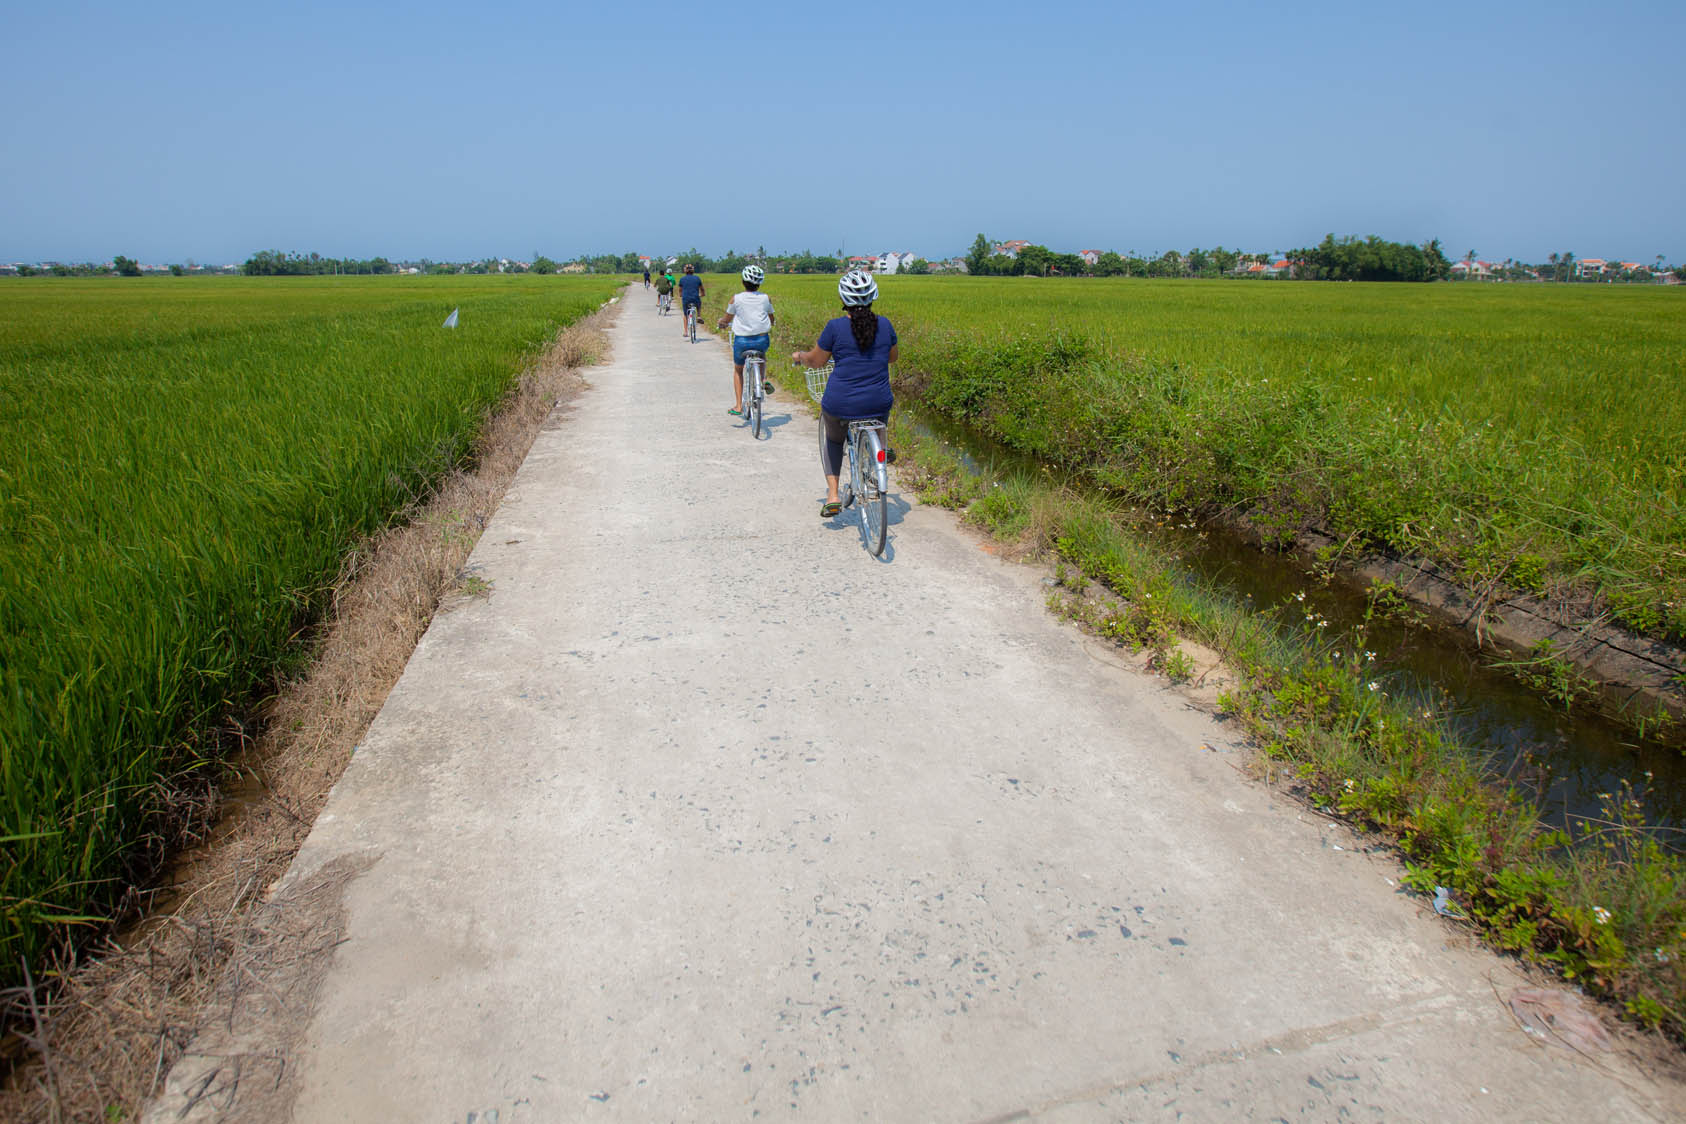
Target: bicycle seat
pixel 748 351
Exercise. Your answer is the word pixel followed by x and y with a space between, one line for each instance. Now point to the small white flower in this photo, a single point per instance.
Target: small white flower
pixel 1601 915
pixel 1350 784
pixel 1374 686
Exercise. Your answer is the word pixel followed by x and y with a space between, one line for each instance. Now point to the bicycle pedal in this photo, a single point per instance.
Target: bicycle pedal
pixel 766 388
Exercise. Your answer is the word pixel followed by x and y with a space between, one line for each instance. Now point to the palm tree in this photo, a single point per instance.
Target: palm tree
pixel 1554 276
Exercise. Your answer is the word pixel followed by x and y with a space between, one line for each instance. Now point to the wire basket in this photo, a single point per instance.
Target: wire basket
pixel 816 381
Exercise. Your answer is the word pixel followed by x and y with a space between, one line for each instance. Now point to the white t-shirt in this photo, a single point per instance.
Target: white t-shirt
pixel 752 314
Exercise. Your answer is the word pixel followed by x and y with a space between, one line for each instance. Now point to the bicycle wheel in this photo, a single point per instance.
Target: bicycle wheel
pixel 868 491
pixel 691 324
pixel 753 374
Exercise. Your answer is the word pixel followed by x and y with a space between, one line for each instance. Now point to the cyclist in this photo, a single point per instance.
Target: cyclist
pixel 646 277
pixel 863 345
pixel 690 294
pixel 664 291
pixel 750 313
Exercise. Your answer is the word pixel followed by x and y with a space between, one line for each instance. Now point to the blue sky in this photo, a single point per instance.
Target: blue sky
pixel 211 130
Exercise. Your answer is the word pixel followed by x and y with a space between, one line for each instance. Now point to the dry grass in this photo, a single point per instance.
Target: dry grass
pixel 102 1037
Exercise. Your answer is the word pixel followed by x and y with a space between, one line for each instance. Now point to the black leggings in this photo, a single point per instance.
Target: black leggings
pixel 837 432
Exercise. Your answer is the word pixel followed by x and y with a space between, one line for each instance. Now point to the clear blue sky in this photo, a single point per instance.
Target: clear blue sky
pixel 172 130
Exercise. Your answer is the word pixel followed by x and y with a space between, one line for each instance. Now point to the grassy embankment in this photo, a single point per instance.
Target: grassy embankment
pixel 184 463
pixel 1297 400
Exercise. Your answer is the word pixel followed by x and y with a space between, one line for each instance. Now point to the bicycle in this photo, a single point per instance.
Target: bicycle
pixel 664 303
pixel 868 487
pixel 755 387
pixel 691 322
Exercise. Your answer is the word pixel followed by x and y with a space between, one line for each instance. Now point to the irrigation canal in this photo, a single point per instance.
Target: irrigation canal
pixel 1567 758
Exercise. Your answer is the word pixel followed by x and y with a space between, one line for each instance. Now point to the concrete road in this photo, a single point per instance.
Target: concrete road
pixel 702 813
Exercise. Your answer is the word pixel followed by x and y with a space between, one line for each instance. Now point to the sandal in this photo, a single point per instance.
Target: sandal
pixel 831 509
pixel 735 412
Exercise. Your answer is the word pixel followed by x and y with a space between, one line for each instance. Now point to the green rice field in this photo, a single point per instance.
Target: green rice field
pixel 1527 436
pixel 183 464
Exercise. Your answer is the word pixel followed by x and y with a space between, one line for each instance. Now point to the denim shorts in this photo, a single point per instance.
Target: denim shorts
pixel 741 344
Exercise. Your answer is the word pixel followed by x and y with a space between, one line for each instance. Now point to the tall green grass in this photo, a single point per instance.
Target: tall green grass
pixel 1522 435
pixel 183 463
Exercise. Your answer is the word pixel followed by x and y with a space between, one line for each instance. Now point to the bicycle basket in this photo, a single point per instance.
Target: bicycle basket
pixel 816 381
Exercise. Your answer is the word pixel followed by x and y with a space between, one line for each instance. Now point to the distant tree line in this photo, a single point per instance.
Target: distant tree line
pixel 120 267
pixel 730 262
pixel 1370 259
pixel 273 263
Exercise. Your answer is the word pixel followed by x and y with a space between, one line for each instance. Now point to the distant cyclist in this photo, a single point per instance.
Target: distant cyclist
pixel 690 294
pixel 863 345
pixel 664 291
pixel 646 277
pixel 750 314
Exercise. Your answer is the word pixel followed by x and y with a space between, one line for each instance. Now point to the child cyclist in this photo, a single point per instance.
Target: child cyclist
pixel 862 345
pixel 664 291
pixel 751 315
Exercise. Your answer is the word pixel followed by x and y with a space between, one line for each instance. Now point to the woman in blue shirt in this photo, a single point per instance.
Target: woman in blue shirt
pixel 862 345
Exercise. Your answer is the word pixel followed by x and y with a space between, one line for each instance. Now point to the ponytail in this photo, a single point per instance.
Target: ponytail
pixel 863 322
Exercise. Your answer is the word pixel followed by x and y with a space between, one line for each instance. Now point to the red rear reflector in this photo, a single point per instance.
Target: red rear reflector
pixel 881 456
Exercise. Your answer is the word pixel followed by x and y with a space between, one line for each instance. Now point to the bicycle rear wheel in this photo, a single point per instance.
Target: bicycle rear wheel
pixel 753 374
pixel 868 492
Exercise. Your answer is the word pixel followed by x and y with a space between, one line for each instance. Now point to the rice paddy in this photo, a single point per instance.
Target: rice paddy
pixel 1525 436
pixel 184 463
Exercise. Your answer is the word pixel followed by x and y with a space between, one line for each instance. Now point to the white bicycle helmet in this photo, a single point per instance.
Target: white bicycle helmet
pixel 857 288
pixel 753 274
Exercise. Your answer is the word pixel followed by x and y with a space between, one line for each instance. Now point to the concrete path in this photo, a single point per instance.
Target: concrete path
pixel 705 814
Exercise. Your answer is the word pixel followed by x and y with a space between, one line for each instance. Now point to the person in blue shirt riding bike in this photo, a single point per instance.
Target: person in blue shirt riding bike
pixel 862 345
pixel 690 295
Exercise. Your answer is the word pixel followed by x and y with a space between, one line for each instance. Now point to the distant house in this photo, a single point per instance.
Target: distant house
pixel 574 267
pixel 894 261
pixel 1632 266
pixel 1475 270
pixel 1591 267
pixel 1011 249
pixel 1090 257
pixel 863 263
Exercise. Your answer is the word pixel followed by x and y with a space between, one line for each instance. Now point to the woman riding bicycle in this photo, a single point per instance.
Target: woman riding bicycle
pixel 862 345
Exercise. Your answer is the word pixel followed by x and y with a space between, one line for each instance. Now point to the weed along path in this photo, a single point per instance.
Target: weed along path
pixel 698 812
